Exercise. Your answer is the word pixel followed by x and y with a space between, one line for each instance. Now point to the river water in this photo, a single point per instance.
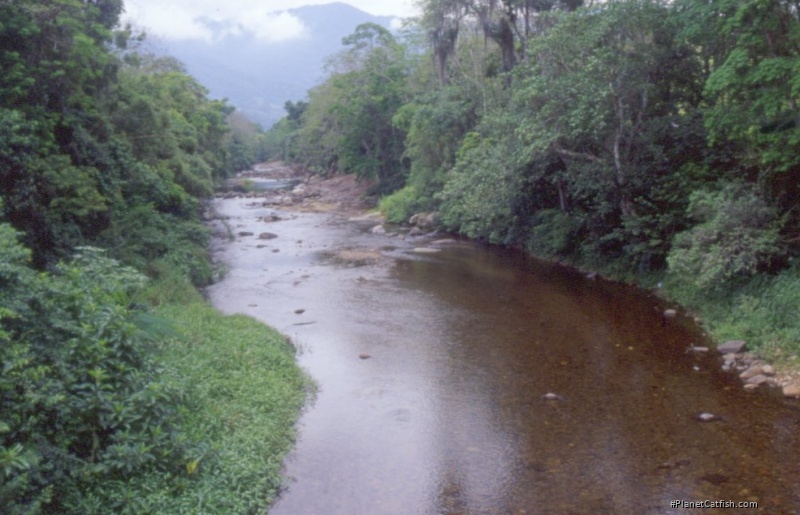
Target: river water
pixel 434 370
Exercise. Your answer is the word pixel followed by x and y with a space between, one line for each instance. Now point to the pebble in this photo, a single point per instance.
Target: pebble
pixel 364 356
pixel 750 386
pixel 550 396
pixel 707 417
pixel 670 313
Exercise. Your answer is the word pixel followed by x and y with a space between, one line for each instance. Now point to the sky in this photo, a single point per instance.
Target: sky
pixel 208 20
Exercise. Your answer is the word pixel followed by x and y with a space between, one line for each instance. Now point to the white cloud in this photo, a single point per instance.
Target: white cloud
pixel 209 20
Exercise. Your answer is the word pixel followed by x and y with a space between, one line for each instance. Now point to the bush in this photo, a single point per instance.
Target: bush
pixel 737 234
pixel 83 401
pixel 552 234
pixel 400 205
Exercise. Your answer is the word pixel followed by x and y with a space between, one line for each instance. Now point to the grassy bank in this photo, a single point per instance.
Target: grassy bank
pixel 245 392
pixel 761 311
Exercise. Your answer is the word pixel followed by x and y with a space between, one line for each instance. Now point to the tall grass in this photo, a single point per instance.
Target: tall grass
pixel 762 311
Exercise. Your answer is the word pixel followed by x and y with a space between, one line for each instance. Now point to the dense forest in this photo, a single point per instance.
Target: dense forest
pixel 656 141
pixel 653 140
pixel 118 388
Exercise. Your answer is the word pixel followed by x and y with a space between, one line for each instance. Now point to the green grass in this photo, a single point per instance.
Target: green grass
pixel 244 394
pixel 762 311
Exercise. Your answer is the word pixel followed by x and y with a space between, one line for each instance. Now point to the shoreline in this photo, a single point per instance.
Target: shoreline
pixel 342 195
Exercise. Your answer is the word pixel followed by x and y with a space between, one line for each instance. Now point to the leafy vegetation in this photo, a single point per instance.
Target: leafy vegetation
pixel 106 155
pixel 639 136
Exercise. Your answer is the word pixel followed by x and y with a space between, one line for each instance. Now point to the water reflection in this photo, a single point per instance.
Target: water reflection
pixel 448 413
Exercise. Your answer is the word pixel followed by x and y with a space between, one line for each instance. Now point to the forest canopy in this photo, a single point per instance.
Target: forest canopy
pixel 584 131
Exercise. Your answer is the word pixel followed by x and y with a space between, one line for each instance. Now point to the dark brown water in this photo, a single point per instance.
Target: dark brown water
pixel 447 416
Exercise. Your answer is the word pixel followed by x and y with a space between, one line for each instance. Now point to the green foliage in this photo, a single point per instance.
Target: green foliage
pixel 485 191
pixel 103 146
pixel 737 234
pixel 553 233
pixel 760 310
pixel 81 395
pixel 400 205
pixel 245 392
pixel 347 125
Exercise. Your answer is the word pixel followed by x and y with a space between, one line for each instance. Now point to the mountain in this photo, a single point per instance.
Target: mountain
pixel 259 76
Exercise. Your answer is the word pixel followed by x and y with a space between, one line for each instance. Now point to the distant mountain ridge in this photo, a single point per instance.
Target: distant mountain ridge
pixel 259 76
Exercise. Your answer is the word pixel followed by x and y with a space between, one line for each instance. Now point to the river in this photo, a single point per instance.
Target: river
pixel 434 370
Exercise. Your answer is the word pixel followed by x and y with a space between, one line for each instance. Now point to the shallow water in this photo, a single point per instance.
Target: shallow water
pixel 447 414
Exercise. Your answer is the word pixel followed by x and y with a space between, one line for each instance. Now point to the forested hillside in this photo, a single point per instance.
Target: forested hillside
pixel 105 404
pixel 654 140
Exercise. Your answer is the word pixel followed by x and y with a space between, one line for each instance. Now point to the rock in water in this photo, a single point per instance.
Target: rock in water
pixel 753 371
pixel 707 417
pixel 757 379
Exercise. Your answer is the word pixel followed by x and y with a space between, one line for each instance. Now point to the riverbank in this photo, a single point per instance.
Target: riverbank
pixel 246 393
pixel 241 393
pixel 756 313
pixel 434 371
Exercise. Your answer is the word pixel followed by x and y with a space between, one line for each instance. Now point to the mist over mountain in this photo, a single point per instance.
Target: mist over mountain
pixel 257 75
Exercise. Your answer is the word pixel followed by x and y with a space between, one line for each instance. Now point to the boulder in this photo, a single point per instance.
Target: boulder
pixel 378 229
pixel 670 313
pixel 267 236
pixel 244 233
pixel 732 347
pixel 424 219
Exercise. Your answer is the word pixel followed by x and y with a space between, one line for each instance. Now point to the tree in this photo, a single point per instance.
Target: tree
pixel 347 125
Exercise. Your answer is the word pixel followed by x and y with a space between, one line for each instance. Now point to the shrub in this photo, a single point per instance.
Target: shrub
pixel 82 397
pixel 552 234
pixel 400 205
pixel 737 234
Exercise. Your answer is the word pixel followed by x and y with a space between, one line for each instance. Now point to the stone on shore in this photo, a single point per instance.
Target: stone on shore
pixel 791 390
pixel 732 347
pixel 753 371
